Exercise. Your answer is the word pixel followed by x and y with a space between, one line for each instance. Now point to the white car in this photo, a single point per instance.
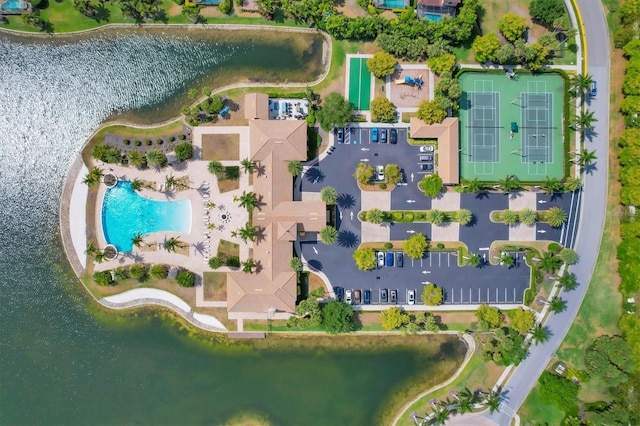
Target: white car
pixel 380 172
pixel 426 148
pixel 380 259
pixel 348 298
pixel 411 297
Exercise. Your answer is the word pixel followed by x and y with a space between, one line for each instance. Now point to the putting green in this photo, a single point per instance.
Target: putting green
pixel 359 83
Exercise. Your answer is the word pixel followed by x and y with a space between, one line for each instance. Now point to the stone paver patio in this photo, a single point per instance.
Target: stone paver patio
pixel 521 232
pixel 447 201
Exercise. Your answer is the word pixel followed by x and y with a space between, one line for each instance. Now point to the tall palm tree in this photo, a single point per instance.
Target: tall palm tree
pixel 585 158
pixel 555 217
pixel 375 216
pixel 474 259
pixel 509 217
pixel 581 83
pixel 528 216
pixel 552 185
pixel 557 305
pixel 493 400
pixel 137 240
pixel 329 195
pixel 170 181
pixel 91 249
pixel 215 167
pixel 328 235
pixel 540 334
pixel 296 264
pixel 568 281
pixel 506 260
pixel 248 200
pixel 136 158
pixel 248 166
pixel 549 262
pixel 435 216
pixel 94 176
pixel 572 184
pixel 136 184
pixel 172 244
pixel 156 158
pixel 473 185
pixel 568 256
pixel 100 256
pixel 464 216
pixel 248 232
pixel 510 183
pixel 248 266
pixel 464 401
pixel 584 120
pixel 441 414
pixel 294 167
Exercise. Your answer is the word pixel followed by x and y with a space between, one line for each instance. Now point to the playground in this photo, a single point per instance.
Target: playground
pixel 409 86
pixel 511 124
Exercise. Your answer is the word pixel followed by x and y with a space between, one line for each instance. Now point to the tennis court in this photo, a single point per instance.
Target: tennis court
pixel 511 126
pixel 358 82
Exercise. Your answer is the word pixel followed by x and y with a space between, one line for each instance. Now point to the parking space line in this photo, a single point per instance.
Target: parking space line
pixel 448 260
pixel 439 258
pixel 461 297
pixel 514 295
pixel 497 295
pixel 430 260
pixel 479 299
pixel 487 296
pixel 453 297
pixel 420 262
pixel 470 297
pixel 505 295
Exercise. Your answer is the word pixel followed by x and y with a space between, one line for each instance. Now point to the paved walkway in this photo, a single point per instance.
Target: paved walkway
pixel 380 200
pixel 522 232
pixel 447 201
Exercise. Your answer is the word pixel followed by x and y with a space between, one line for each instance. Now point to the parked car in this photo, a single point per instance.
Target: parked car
pixel 593 89
pixel 383 135
pixel 399 259
pixel 426 166
pixel 374 134
pixel 356 297
pixel 380 259
pixel 411 297
pixel 367 297
pixel 339 292
pixel 384 295
pixel 380 172
pixel 348 297
pixel 393 136
pixel 426 148
pixel 394 296
pixel 426 157
pixel 389 261
pixel 340 135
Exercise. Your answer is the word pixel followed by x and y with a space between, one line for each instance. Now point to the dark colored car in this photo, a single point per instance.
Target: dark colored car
pixel 393 136
pixel 426 166
pixel 384 295
pixel 399 259
pixel 383 135
pixel 389 258
pixel 356 297
pixel 394 296
pixel 374 134
pixel 593 89
pixel 339 291
pixel 367 297
pixel 340 135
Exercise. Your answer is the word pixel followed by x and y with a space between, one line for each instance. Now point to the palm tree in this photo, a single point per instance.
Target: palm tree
pixel 464 401
pixel 528 216
pixel 555 217
pixel 172 244
pixel 296 264
pixel 100 256
pixel 549 262
pixel 510 184
pixel 248 266
pixel 568 281
pixel 329 195
pixel 506 260
pixel 120 273
pixel 580 83
pixel 328 235
pixel 248 200
pixel 248 166
pixel 509 217
pixel 441 414
pixel 294 167
pixel 215 167
pixel 156 158
pixel 474 259
pixel 137 240
pixel 584 120
pixel 159 271
pixel 136 158
pixel 473 185
pixel 93 177
pixel 375 216
pixel 248 232
pixel 493 400
pixel 91 249
pixel 465 216
pixel 136 184
pixel 540 334
pixel 170 181
pixel 435 216
pixel 585 158
pixel 552 185
pixel 572 184
pixel 557 305
pixel 568 256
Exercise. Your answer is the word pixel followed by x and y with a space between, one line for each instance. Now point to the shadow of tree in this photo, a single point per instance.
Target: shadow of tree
pixel 347 239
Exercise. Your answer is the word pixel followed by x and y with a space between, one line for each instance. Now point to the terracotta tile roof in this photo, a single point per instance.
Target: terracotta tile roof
pixel 256 106
pixel 447 134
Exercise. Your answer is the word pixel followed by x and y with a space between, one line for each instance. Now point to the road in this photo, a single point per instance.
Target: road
pixel 591 221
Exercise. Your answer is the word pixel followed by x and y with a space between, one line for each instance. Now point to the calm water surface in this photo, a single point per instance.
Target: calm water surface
pixel 60 363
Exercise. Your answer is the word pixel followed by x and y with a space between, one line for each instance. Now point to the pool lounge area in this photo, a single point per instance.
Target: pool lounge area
pixel 14 7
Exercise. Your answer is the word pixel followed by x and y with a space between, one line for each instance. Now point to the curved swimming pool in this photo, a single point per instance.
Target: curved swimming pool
pixel 125 213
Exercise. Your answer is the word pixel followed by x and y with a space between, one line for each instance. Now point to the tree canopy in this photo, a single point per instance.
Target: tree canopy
pixel 522 320
pixel 610 359
pixel 486 48
pixel 415 246
pixel 442 63
pixel 559 391
pixel 382 110
pixel 546 11
pixel 365 258
pixel 512 26
pixel 394 318
pixel 337 317
pixel 335 111
pixel 431 295
pixel 431 185
pixel 490 316
pixel 382 64
pixel 433 111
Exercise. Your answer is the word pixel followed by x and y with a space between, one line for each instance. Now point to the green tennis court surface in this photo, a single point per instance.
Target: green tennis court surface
pixel 359 83
pixel 511 126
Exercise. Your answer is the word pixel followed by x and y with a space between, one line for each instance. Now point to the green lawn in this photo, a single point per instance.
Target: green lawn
pixel 534 411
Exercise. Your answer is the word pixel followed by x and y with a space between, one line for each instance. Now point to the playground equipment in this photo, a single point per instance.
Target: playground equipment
pixel 416 82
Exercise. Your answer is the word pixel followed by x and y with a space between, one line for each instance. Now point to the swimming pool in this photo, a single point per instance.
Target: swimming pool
pixel 433 17
pixel 125 214
pixel 13 6
pixel 394 4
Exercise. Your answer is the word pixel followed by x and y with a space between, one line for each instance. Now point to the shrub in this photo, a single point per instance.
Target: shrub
pixel 148 142
pixel 215 262
pixel 185 278
pixel 181 136
pixel 408 217
pixel 184 151
pixel 397 216
pixel 126 141
pixel 383 185
pixel 440 245
pixel 554 248
pixel 137 143
pixel 137 271
pixel 159 141
pixel 233 261
pixel 388 246
pixel 420 216
pixel 103 278
pixel 159 271
pixel 172 138
pixel 225 6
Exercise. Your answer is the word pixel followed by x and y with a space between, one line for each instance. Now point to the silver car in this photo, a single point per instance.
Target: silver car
pixel 380 259
pixel 411 297
pixel 426 148
pixel 348 297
